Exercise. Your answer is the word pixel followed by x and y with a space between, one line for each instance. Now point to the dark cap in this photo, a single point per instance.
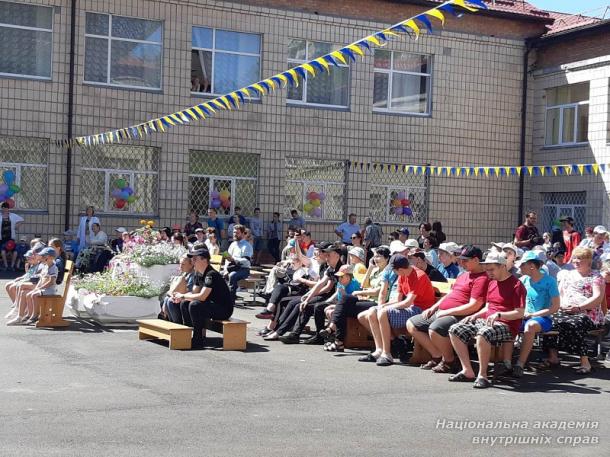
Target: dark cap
pixel 470 252
pixel 336 247
pixel 322 245
pixel 404 231
pixel 568 219
pixel 419 253
pixel 399 261
pixel 200 253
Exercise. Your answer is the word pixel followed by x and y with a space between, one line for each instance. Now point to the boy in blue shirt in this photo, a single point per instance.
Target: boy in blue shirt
pixel 541 302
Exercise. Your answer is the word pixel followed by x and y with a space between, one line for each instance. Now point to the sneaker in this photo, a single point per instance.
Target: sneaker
pixel 385 361
pixel 517 371
pixel 290 338
pixel 367 358
pixel 316 339
pixel 500 369
pixel 264 315
pixel 16 321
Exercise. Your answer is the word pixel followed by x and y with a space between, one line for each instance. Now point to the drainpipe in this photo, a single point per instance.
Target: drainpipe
pixel 70 115
pixel 528 48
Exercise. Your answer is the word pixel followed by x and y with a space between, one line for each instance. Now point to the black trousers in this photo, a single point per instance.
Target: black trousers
pixel 274 248
pixel 292 319
pixel 348 307
pixel 195 313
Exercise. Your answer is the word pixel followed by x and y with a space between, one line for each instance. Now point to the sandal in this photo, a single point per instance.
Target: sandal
pixel 548 365
pixel 460 377
pixel 334 347
pixel 271 337
pixel 326 333
pixel 443 367
pixel 264 331
pixel 481 383
pixel 583 370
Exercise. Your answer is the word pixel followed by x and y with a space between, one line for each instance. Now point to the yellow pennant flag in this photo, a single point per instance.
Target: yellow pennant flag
pixel 259 88
pixel 467 170
pixel 463 5
pixel 373 39
pixel 581 169
pixel 567 169
pixel 554 170
pixel 595 167
pixel 309 69
pixel 356 49
pixel 486 170
pixel 339 57
pixel 542 170
pixel 437 14
pixel 283 79
pixel 497 171
pixel 295 76
pixel 323 62
pixel 413 26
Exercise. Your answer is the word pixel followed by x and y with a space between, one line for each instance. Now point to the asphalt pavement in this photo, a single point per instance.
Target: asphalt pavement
pixel 88 390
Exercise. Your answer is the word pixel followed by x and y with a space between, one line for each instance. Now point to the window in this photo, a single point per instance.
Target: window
pixel 104 166
pixel 315 188
pixel 28 159
pixel 402 82
pixel 397 198
pixel 557 204
pixel 123 51
pixel 329 89
pixel 223 61
pixel 567 114
pixel 26 36
pixel 223 180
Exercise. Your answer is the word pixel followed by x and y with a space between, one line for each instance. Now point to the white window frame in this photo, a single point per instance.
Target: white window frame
pixel 108 206
pixel 304 183
pixel 232 179
pixel 110 39
pixel 561 108
pixel 18 167
pixel 304 82
pixel 213 93
pixel 389 188
pixel 35 29
pixel 390 71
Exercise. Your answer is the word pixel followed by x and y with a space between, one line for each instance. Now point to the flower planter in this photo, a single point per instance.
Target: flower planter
pixel 106 309
pixel 157 274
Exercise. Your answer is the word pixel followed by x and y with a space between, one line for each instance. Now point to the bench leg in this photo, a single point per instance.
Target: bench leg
pixel 51 314
pixel 145 336
pixel 180 340
pixel 234 337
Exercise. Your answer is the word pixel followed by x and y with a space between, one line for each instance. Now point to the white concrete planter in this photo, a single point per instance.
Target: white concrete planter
pixel 106 309
pixel 158 274
pixel 75 303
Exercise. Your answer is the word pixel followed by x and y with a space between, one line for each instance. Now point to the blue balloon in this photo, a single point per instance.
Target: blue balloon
pixel 124 194
pixel 116 193
pixel 215 203
pixel 9 176
pixel 129 190
pixel 10 193
pixel 3 188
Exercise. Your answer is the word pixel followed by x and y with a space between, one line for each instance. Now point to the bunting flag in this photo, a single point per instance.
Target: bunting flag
pixel 412 27
pixel 498 171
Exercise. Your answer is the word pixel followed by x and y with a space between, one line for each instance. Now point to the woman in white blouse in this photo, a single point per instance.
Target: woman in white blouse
pixel 85 227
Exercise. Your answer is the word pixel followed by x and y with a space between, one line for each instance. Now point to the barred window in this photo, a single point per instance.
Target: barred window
pixel 222 61
pixel 402 82
pixel 28 159
pixel 26 37
pixel 330 89
pixel 315 188
pixel 223 180
pixel 397 198
pixel 558 204
pixel 123 51
pixel 104 166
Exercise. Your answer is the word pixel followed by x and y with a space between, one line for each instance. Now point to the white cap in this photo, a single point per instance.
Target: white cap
pixel 411 243
pixel 358 252
pixel 397 246
pixel 512 247
pixel 495 258
pixel 500 245
pixel 600 229
pixel 449 247
pixel 120 229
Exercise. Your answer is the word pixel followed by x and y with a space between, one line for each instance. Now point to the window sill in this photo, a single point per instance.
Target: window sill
pixel 564 146
pixel 126 88
pixel 401 113
pixel 345 109
pixel 26 77
pixel 126 215
pixel 206 96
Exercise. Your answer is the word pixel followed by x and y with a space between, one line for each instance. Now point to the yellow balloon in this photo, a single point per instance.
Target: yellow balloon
pixel 315 203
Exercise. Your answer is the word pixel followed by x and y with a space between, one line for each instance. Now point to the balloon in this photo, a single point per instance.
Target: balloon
pixel 307 207
pixel 226 204
pixel 10 202
pixel 9 193
pixel 407 211
pixel 404 202
pixel 215 203
pixel 124 195
pixel 224 198
pixel 396 203
pixel 129 190
pixel 116 193
pixel 225 194
pixel 215 195
pixel 317 212
pixel 3 189
pixel 120 183
pixel 120 203
pixel 9 176
pixel 316 203
pixel 397 210
pixel 407 202
pixel 321 196
pixel 15 188
pixel 131 199
pixel 10 245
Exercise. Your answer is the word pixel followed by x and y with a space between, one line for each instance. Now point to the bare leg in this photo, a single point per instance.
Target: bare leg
pixel 461 349
pixel 373 326
pixel 529 335
pixel 484 351
pixel 443 344
pixel 385 331
pixel 4 259
pixel 423 340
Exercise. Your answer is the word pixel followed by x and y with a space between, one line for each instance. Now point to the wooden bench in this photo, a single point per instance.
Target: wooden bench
pixel 357 336
pixel 52 306
pixel 251 282
pixel 233 333
pixel 179 336
pixel 216 262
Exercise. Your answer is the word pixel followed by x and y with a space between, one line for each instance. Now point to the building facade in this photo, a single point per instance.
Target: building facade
pixel 452 98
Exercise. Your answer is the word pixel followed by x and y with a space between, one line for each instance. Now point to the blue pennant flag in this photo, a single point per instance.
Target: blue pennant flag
pixel 424 20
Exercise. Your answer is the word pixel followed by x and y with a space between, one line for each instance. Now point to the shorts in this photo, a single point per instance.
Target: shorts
pixel 496 334
pixel 545 322
pixel 49 291
pixel 258 243
pixel 438 325
pixel 398 317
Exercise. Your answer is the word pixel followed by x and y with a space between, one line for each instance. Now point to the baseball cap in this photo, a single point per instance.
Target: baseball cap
pixel 37 249
pixel 23 238
pixel 322 245
pixel 495 258
pixel 334 248
pixel 345 270
pixel 199 230
pixel 568 219
pixel 470 252
pixel 358 252
pixel 397 246
pixel 199 253
pixel 404 231
pixel 449 247
pixel 600 229
pixel 28 254
pixel 499 245
pixel 411 244
pixel 530 256
pixel 120 230
pixel 510 246
pixel 48 252
pixel 399 261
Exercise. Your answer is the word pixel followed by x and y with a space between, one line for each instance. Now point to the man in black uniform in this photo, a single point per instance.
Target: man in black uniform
pixel 210 298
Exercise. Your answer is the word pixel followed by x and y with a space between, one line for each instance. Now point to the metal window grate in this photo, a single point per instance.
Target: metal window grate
pixel 28 158
pixel 557 204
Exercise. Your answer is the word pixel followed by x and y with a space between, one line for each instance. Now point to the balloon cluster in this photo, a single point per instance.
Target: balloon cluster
pixel 222 198
pixel 122 194
pixel 147 224
pixel 314 203
pixel 401 205
pixel 9 188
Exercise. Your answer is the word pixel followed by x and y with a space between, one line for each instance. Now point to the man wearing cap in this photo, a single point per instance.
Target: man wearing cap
pixel 431 328
pixel 447 264
pixel 210 298
pixel 418 258
pixel 541 302
pixel 239 257
pixel 200 236
pixel 403 235
pixel 598 244
pixel 527 235
pixel 347 229
pixel 571 237
pixel 415 295
pixel 498 322
pixel 512 253
pixel 299 311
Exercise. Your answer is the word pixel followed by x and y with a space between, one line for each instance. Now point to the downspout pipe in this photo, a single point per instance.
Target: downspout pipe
pixel 68 194
pixel 526 54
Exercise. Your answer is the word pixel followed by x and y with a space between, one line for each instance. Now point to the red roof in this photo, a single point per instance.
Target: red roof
pixel 517 7
pixel 563 21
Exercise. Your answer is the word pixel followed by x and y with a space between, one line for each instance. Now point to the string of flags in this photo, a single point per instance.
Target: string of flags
pixel 413 27
pixel 580 169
